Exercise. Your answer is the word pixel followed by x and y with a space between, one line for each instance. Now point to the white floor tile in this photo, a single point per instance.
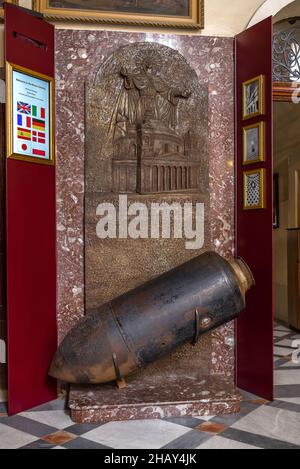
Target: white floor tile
pixel 285 343
pixel 218 442
pixel 248 396
pixel 272 422
pixel 137 434
pixel 282 328
pixel 54 418
pixel 13 439
pixel 282 352
pixel 291 364
pixel 283 377
pixel 280 333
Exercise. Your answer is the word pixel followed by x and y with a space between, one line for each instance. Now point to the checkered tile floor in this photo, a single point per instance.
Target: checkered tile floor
pixel 260 424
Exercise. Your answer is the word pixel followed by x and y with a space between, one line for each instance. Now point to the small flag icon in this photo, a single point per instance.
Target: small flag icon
pixel 39 112
pixel 37 152
pixel 24 134
pixel 24 108
pixel 39 137
pixel 38 124
pixel 24 121
pixel 24 147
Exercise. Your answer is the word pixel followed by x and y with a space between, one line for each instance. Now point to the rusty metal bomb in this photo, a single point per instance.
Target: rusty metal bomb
pixel 152 320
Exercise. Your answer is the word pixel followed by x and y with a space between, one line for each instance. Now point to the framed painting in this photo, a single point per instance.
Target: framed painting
pixel 253 143
pixel 160 13
pixel 254 189
pixel 253 97
pixel 29 116
pixel 15 2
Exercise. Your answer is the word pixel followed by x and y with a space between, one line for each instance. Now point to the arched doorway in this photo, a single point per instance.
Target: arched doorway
pixel 269 8
pixel 286 163
pixel 286 51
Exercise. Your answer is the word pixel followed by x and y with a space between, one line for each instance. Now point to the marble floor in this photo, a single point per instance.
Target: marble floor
pixel 259 425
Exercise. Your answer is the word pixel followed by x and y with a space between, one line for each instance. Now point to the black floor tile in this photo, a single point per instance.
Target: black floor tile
pixel 28 426
pixel 39 444
pixel 257 440
pixel 81 428
pixel 82 443
pixel 190 440
pixel 287 390
pixel 189 422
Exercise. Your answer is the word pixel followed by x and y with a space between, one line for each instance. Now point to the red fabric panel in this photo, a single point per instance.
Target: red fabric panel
pixel 254 233
pixel 31 239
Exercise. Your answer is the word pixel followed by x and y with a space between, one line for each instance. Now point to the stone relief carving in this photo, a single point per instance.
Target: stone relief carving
pixel 152 123
pixel 146 137
pixel 149 154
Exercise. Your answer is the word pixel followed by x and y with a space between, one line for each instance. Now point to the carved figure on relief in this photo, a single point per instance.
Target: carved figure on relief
pixel 149 154
pixel 145 96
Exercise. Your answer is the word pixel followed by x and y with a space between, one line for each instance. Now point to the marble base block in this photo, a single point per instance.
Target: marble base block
pixel 175 397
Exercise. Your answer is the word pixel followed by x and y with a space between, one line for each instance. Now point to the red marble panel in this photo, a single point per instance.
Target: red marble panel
pixel 206 395
pixel 79 54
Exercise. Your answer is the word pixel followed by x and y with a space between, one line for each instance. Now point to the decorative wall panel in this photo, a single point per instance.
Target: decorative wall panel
pixel 80 55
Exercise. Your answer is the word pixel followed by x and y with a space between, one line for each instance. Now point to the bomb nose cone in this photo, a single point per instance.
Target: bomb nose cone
pixel 59 369
pixel 86 355
pixel 65 367
pixel 74 360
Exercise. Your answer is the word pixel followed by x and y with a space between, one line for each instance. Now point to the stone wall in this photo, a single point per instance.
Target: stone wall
pixel 79 56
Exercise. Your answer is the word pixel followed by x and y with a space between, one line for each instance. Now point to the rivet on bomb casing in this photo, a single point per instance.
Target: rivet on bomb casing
pixel 205 322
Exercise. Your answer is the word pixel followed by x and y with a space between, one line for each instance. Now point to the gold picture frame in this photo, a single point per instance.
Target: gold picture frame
pixel 254 185
pixel 195 19
pixel 10 113
pixel 256 132
pixel 15 2
pixel 254 97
